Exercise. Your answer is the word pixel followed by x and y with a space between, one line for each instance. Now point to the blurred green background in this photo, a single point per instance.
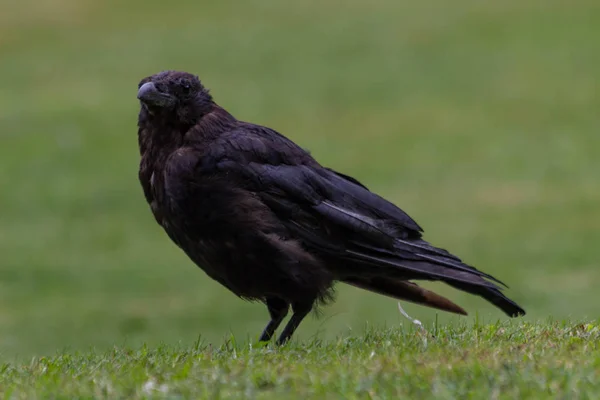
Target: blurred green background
pixel 479 118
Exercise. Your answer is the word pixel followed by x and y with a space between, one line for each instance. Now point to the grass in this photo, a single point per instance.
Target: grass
pixel 480 119
pixel 553 360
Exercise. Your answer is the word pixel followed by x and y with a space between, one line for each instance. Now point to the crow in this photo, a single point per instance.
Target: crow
pixel 262 217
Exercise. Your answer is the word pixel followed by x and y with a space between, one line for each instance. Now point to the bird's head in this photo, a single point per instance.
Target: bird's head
pixel 174 95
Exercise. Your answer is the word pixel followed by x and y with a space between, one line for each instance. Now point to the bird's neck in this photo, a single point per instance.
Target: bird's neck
pixel 211 125
pixel 158 139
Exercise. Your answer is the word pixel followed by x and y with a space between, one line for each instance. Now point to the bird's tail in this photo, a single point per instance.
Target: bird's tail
pixel 428 263
pixel 405 290
pixel 494 296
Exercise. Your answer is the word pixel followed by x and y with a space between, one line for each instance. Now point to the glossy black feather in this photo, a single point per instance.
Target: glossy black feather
pixel 261 216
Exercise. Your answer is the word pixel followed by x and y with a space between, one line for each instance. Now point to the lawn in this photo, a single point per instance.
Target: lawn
pixel 551 360
pixel 480 119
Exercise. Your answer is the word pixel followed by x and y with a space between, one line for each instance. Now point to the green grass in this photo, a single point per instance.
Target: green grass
pixel 495 361
pixel 480 119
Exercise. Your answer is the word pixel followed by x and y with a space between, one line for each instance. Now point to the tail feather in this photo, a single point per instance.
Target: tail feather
pixel 406 290
pixel 421 269
pixel 494 296
pixel 392 280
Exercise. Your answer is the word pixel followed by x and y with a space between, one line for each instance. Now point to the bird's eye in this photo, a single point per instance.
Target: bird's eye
pixel 186 87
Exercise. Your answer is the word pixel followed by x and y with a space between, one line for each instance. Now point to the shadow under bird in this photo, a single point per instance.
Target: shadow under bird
pixel 262 217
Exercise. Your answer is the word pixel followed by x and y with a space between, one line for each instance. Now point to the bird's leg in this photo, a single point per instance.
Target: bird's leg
pixel 300 311
pixel 278 309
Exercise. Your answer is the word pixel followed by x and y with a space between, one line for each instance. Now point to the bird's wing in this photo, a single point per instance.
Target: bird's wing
pixel 335 215
pixel 348 178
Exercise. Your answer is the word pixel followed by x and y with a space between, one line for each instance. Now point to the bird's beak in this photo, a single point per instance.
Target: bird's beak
pixel 149 94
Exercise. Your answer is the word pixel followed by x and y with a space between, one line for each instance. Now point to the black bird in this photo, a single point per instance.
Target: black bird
pixel 259 215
